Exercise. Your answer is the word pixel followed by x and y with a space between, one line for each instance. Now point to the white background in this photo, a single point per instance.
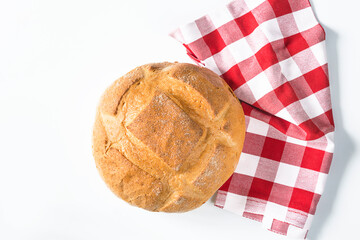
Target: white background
pixel 57 57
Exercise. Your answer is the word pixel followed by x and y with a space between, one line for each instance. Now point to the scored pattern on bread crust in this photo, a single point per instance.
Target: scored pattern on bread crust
pixel 167 130
pixel 172 124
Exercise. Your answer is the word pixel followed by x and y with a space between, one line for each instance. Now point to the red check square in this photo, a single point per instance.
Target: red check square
pixel 225 186
pixel 280 7
pixel 301 200
pixel 260 189
pixel 315 79
pixel 266 56
pixel 214 41
pixel 234 77
pixel 329 115
pixel 247 23
pixel 295 43
pixel 273 149
pixel 279 124
pixel 309 157
pixel 286 94
pixel 312 131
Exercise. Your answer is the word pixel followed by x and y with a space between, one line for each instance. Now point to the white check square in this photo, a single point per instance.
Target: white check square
pixel 221 17
pixel 320 183
pixel 276 211
pixel 253 3
pixel 247 164
pixel 296 232
pixel 211 64
pixel 257 127
pixel 287 174
pixel 267 221
pixel 330 142
pixel 190 32
pixel 305 19
pixel 296 141
pixel 235 203
pixel 319 51
pixel 308 222
pixel 271 30
pixel 311 106
pixel 260 85
pixel 290 69
pixel 257 40
pixel 284 114
pixel 224 60
pixel 240 50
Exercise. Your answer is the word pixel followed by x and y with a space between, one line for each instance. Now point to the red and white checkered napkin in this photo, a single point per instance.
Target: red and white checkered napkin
pixel 272 54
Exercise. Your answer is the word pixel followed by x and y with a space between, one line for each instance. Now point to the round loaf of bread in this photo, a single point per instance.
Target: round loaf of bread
pixel 167 136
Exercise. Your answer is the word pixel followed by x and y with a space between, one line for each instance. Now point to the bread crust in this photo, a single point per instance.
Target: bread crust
pixel 167 136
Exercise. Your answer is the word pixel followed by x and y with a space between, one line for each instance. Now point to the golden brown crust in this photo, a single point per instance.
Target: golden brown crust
pixel 167 136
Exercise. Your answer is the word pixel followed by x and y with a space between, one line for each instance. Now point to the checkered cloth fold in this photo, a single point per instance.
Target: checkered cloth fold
pixel 272 54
